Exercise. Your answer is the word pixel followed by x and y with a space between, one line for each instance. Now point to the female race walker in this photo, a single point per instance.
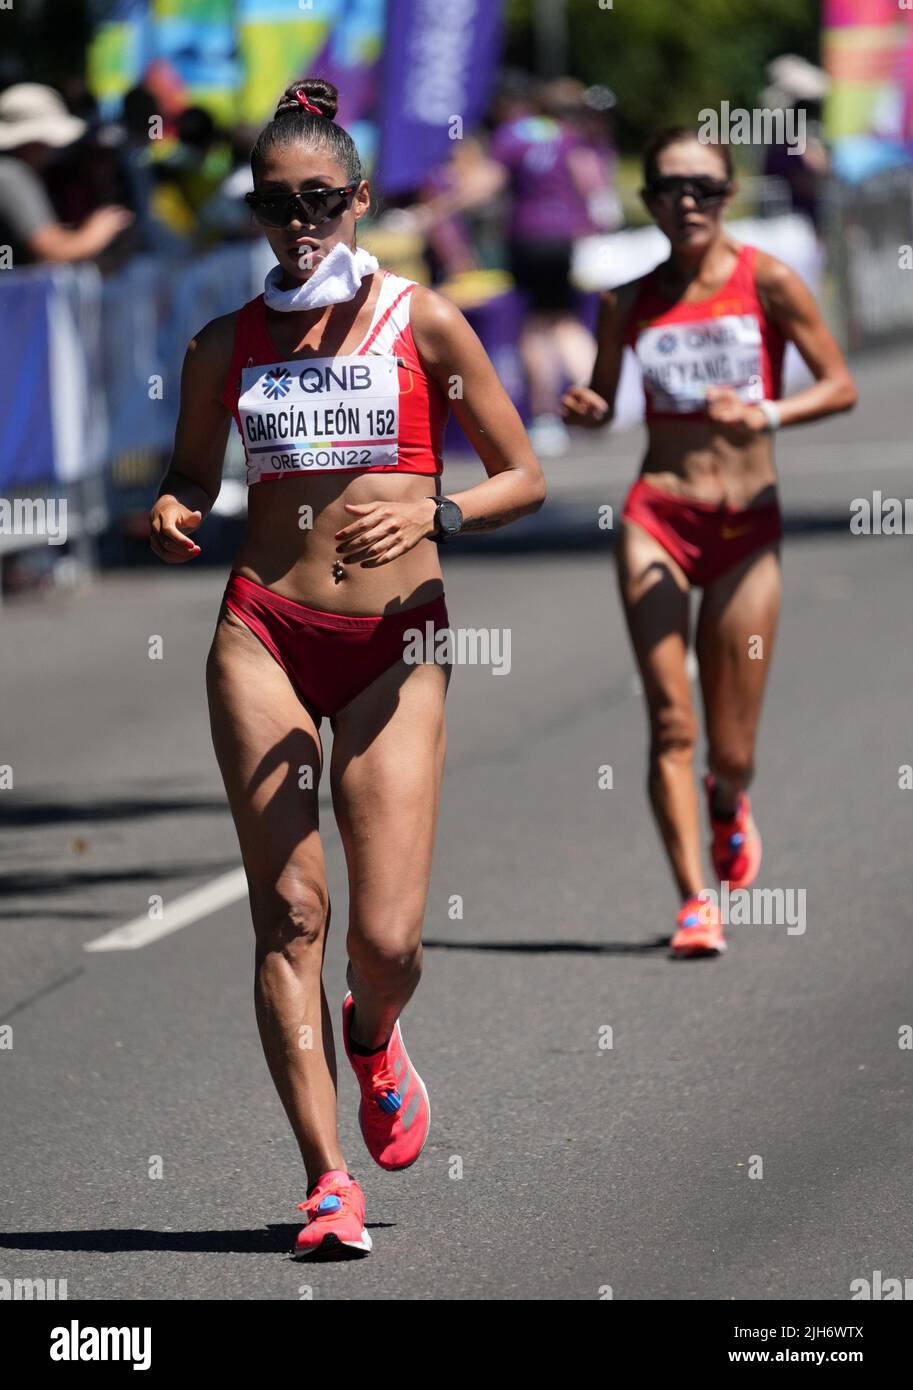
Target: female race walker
pixel 338 378
pixel 708 326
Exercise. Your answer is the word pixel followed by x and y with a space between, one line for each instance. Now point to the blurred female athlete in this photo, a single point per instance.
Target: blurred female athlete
pixel 339 378
pixel 709 326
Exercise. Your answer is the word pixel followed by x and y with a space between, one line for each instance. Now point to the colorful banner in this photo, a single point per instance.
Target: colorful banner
pixel 197 39
pixel 234 57
pixel 350 58
pixel 278 40
pixel 867 48
pixel 438 68
pixel 121 46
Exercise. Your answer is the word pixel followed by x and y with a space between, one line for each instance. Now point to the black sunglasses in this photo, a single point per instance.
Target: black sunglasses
pixel 313 205
pixel 705 191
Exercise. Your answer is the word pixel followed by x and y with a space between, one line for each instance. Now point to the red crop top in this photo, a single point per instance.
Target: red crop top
pixel 373 409
pixel 726 340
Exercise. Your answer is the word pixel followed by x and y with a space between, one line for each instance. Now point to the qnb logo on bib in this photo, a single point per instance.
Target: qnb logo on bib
pixel 319 414
pixel 277 384
pixel 679 362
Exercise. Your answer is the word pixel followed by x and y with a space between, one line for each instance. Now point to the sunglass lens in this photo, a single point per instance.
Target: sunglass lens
pixel 274 212
pixel 327 205
pixel 702 190
pixel 314 207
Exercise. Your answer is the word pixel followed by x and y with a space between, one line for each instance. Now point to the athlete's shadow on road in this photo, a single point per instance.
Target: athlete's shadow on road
pixel 264 1240
pixel 556 948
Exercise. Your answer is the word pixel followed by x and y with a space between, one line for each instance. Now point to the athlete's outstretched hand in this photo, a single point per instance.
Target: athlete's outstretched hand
pixel 581 406
pixel 726 407
pixel 384 531
pixel 168 521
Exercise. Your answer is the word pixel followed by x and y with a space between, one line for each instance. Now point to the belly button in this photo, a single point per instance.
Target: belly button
pixel 339 571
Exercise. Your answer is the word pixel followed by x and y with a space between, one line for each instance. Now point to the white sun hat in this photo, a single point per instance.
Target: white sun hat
pixel 798 78
pixel 31 112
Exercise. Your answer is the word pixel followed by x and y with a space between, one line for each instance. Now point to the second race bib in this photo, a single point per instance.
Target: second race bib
pixel 680 360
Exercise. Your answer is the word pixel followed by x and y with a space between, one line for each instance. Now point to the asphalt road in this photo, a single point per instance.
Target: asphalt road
pixel 582 1166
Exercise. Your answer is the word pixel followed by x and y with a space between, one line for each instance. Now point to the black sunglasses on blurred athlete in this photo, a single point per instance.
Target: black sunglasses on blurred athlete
pixel 313 205
pixel 702 189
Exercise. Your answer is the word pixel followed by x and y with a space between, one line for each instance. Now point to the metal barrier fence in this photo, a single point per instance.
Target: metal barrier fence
pixel 90 385
pixel 869 235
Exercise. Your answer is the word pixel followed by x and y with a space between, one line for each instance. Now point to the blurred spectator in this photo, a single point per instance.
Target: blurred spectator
pixel 467 181
pixel 597 161
pixel 225 211
pixel 34 122
pixel 138 112
pixel 162 79
pixel 798 86
pixel 189 171
pixel 554 176
pixel 90 173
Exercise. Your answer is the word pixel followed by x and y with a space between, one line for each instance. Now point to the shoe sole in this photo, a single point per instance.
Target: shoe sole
pixel 332 1248
pixel 696 952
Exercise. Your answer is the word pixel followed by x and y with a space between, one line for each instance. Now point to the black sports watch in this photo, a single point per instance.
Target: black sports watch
pixel 448 519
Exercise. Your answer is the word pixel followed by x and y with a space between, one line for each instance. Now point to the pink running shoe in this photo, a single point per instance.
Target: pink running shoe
pixel 699 929
pixel 395 1113
pixel 736 845
pixel 335 1227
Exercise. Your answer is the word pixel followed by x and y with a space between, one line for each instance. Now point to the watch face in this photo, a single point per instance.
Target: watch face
pixel 449 517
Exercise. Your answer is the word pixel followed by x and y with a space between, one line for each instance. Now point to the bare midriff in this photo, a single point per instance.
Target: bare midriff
pixel 290 545
pixel 699 459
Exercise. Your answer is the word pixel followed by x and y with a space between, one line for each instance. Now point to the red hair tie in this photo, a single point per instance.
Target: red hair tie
pixel 299 97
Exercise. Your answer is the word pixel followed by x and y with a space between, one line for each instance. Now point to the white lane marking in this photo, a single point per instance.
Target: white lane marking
pixel 221 891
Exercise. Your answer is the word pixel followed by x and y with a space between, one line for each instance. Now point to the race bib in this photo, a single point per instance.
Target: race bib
pixel 680 360
pixel 319 414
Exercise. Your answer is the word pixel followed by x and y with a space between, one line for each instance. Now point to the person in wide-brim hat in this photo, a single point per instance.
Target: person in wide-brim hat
pixel 34 121
pixel 34 114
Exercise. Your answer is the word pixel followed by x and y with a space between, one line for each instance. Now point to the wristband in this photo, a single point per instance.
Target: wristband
pixel 771 412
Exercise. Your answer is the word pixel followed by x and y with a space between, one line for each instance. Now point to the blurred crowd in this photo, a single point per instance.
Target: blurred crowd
pixel 163 177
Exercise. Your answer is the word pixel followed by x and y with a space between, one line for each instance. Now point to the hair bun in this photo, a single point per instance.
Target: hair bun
pixel 309 92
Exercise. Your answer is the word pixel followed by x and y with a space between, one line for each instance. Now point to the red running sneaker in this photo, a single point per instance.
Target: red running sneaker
pixel 335 1227
pixel 736 845
pixel 395 1113
pixel 699 929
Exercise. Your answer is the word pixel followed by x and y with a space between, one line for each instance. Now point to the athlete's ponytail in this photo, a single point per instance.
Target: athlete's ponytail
pixel 305 114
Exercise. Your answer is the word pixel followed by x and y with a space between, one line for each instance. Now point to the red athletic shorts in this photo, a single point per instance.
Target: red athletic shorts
pixel 329 657
pixel 706 540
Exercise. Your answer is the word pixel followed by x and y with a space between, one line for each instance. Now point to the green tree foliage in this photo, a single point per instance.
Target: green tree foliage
pixel 666 60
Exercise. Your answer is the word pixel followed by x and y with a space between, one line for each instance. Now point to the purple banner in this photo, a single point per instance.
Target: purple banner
pixel 350 58
pixel 439 62
pixel 25 382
